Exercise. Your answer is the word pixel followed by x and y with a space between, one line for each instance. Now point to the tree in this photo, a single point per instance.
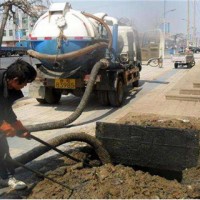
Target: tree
pixel 8 8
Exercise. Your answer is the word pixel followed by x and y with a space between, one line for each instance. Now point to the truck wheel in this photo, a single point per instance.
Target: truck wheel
pixel 139 66
pixel 41 101
pixel 52 96
pixel 116 97
pixel 135 84
pixel 103 98
pixel 8 54
pixel 175 65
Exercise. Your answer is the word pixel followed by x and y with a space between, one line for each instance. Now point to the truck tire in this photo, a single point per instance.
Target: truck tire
pixel 52 96
pixel 8 54
pixel 140 67
pixel 41 101
pixel 175 65
pixel 116 97
pixel 135 83
pixel 103 97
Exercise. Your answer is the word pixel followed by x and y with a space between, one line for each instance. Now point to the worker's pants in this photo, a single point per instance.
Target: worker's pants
pixel 6 168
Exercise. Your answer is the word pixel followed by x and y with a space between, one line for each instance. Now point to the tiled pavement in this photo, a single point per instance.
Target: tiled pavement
pixel 155 102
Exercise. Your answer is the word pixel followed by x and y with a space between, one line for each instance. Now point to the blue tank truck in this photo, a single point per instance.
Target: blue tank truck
pixel 69 43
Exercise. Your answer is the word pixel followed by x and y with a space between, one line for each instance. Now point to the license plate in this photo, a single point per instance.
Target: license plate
pixel 65 83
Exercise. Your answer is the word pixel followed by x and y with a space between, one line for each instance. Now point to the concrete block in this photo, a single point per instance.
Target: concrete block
pixel 156 147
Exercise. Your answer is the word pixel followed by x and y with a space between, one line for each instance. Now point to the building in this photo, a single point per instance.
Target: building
pixel 18 30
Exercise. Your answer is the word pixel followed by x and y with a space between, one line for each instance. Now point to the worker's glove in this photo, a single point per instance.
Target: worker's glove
pixel 21 131
pixel 8 129
pixel 23 134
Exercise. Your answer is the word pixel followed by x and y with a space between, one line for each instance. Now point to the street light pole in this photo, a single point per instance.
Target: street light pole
pixel 164 30
pixel 188 24
pixel 194 25
pixel 164 17
pixel 164 14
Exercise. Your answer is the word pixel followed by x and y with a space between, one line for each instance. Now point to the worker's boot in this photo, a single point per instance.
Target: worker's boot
pixel 16 184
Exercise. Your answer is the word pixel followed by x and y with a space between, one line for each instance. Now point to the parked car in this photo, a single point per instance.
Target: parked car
pixel 194 49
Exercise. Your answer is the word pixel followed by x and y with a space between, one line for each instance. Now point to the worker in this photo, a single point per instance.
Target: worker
pixel 12 80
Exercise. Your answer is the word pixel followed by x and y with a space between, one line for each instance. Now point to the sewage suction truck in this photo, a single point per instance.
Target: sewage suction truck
pixel 69 43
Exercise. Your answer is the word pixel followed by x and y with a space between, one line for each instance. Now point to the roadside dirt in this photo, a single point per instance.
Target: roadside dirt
pixel 161 121
pixel 108 181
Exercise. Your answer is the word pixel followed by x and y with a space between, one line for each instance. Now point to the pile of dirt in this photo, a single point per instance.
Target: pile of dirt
pixel 118 182
pixel 108 182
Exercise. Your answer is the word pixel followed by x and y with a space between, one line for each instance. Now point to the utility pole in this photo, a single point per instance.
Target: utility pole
pixel 164 20
pixel 164 14
pixel 194 25
pixel 188 23
pixel 163 56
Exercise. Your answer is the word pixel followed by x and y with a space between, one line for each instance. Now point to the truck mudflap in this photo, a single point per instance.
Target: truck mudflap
pixel 154 147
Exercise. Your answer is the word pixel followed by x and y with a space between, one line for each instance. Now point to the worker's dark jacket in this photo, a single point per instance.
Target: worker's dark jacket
pixel 7 98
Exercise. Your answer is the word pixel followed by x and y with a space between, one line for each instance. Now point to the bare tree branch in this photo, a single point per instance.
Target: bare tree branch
pixel 29 7
pixel 3 22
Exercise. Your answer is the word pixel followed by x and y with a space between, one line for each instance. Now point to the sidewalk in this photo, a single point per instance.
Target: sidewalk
pixel 155 102
pixel 188 88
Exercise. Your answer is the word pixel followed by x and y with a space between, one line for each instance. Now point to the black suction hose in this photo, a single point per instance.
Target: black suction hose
pixel 82 137
pixel 59 140
pixel 57 150
pixel 62 123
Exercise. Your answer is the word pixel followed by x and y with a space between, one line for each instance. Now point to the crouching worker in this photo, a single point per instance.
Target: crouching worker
pixel 12 80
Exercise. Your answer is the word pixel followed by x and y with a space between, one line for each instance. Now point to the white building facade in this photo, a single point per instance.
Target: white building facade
pixel 18 30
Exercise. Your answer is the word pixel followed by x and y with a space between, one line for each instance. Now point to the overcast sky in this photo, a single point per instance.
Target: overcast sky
pixel 144 13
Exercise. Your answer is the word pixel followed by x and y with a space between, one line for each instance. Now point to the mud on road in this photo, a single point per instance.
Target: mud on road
pixel 109 181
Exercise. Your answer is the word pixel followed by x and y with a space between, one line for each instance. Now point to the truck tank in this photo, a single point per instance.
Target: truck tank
pixel 63 30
